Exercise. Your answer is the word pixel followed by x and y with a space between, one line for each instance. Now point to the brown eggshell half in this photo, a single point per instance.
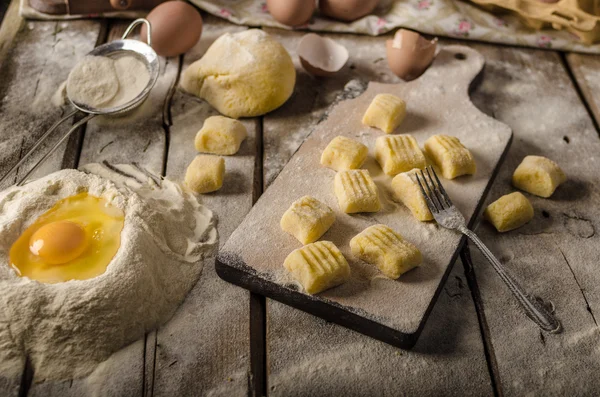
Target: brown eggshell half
pixel 291 12
pixel 176 27
pixel 347 10
pixel 409 54
pixel 321 56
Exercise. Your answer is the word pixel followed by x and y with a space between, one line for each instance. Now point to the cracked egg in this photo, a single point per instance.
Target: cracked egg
pixel 74 240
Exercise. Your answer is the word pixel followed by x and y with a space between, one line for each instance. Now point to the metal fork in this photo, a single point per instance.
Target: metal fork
pixel 448 216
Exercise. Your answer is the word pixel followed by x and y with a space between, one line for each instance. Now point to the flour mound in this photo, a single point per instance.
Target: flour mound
pixel 67 329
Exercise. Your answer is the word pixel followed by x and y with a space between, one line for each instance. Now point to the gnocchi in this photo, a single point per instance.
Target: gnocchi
pixel 307 219
pixel 385 112
pixel 344 154
pixel 450 156
pixel 509 212
pixel 381 246
pixel 220 135
pixel 356 191
pixel 538 175
pixel 398 153
pixel 407 191
pixel 318 266
pixel 205 173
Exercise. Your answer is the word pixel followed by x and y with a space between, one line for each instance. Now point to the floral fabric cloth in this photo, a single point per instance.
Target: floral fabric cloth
pixel 450 18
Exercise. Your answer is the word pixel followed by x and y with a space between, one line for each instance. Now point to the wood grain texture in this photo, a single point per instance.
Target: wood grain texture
pixel 204 348
pixel 35 60
pixel 586 70
pixel 555 255
pixel 450 356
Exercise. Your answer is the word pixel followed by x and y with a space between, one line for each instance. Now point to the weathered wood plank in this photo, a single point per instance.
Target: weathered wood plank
pixel 35 58
pixel 138 137
pixel 204 349
pixel 556 254
pixel 308 356
pixel 586 70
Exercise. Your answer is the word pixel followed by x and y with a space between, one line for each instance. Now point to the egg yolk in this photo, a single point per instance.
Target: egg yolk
pixel 74 240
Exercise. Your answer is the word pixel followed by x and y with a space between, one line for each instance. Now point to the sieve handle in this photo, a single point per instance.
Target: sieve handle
pixel 137 22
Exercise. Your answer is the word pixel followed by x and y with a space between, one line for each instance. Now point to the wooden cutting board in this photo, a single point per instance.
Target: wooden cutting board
pixel 393 311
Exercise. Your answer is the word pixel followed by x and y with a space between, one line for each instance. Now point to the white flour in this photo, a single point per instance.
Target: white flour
pixel 66 329
pixel 103 82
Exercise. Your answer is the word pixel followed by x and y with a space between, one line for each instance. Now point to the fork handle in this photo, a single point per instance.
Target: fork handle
pixel 533 306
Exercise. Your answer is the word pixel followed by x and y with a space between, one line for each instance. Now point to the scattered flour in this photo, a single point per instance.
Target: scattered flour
pixel 103 82
pixel 67 329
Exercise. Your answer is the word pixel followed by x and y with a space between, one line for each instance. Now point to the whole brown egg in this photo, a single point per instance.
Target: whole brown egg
pixel 347 10
pixel 176 27
pixel 291 12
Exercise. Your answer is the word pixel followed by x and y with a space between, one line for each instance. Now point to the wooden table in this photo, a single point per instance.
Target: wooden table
pixel 225 341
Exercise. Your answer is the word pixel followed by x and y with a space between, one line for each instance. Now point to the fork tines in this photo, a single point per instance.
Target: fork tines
pixel 433 191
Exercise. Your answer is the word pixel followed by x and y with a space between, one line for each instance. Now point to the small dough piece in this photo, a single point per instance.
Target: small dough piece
pixel 407 191
pixel 538 175
pixel 450 156
pixel 307 219
pixel 509 212
pixel 344 154
pixel 220 135
pixel 244 74
pixel 381 246
pixel 205 173
pixel 356 191
pixel 318 266
pixel 93 81
pixel 385 112
pixel 398 153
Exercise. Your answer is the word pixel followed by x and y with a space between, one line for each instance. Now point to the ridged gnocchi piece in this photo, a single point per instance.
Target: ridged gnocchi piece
pixel 538 175
pixel 398 153
pixel 385 112
pixel 356 191
pixel 407 191
pixel 344 154
pixel 509 212
pixel 307 219
pixel 450 155
pixel 318 266
pixel 381 246
pixel 205 173
pixel 220 135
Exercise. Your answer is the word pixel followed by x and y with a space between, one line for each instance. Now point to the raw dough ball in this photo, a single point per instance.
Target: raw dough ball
pixel 205 174
pixel 220 135
pixel 538 175
pixel 450 155
pixel 307 219
pixel 356 191
pixel 243 74
pixel 344 154
pixel 407 191
pixel 385 112
pixel 509 212
pixel 93 81
pixel 398 153
pixel 318 266
pixel 381 246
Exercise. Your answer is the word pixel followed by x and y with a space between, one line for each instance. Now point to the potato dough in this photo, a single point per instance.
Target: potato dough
pixel 356 191
pixel 398 153
pixel 538 175
pixel 205 173
pixel 385 112
pixel 509 212
pixel 381 246
pixel 242 74
pixel 318 266
pixel 344 154
pixel 307 219
pixel 220 135
pixel 407 191
pixel 450 155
